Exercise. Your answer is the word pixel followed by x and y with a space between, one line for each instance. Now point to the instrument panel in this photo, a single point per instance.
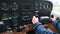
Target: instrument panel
pixel 25 10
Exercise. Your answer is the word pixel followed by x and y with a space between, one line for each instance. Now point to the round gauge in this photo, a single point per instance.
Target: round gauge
pixel 14 6
pixel 4 6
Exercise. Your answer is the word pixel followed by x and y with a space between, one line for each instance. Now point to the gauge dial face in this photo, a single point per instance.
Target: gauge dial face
pixel 4 6
pixel 14 6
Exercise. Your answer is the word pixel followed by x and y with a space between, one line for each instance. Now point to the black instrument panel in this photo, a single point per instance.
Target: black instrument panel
pixel 25 10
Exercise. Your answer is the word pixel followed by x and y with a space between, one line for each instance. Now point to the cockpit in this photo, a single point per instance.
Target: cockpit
pixel 17 14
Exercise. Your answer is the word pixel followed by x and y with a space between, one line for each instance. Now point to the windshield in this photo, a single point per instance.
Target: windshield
pixel 56 8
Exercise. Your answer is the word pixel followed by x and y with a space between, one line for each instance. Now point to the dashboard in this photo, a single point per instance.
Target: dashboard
pixel 23 10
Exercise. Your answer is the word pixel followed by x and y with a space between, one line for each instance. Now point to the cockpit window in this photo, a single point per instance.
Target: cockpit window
pixel 56 8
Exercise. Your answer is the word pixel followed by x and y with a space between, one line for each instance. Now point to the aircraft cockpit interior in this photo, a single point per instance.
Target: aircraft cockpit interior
pixel 16 16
